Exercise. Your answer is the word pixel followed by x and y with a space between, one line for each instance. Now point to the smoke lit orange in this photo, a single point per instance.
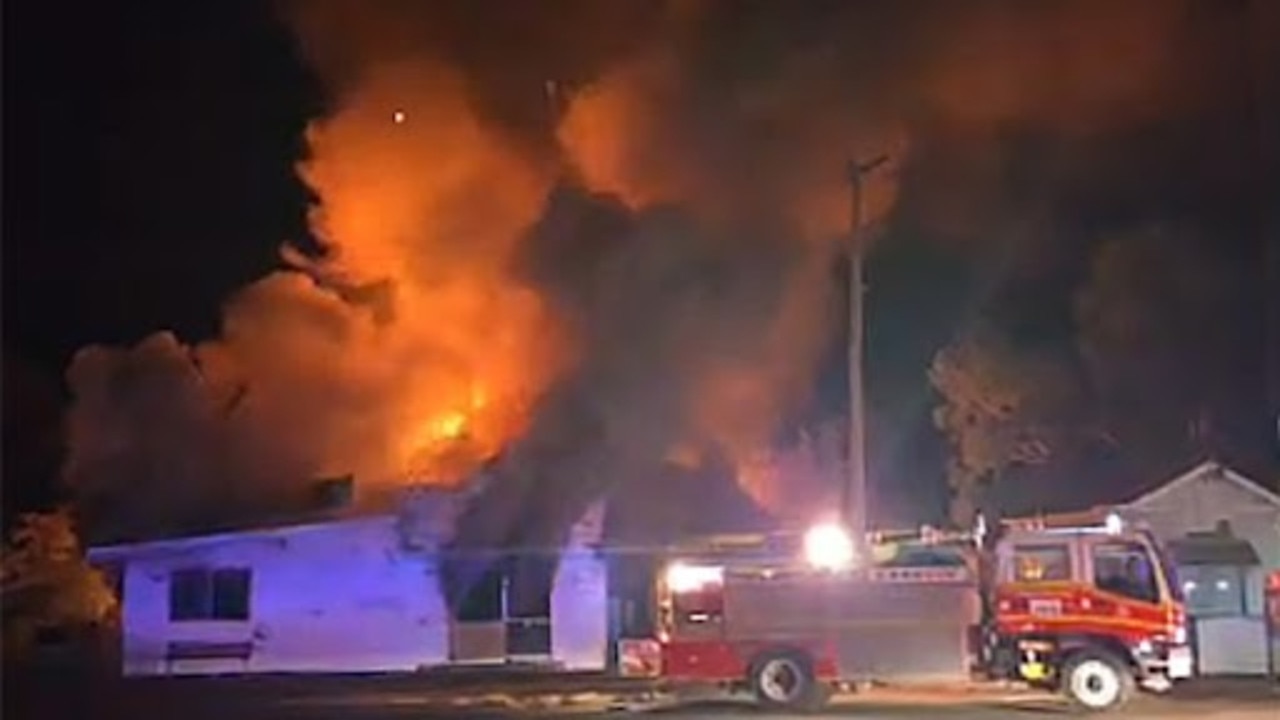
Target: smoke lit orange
pixel 434 208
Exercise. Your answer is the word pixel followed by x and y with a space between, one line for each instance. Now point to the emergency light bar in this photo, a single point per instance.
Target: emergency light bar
pixel 1113 524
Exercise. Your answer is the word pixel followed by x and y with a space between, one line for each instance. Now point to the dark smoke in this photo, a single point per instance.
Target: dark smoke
pixel 680 164
pixel 660 308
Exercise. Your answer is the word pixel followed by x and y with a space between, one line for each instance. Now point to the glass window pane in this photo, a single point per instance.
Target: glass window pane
pixel 189 595
pixel 1041 563
pixel 231 594
pixel 530 585
pixel 483 602
pixel 1126 569
pixel 1212 590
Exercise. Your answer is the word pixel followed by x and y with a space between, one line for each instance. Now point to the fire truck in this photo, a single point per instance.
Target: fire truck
pixel 1092 612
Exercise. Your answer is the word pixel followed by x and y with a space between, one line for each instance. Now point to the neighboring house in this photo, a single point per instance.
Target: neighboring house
pixel 355 594
pixel 1223 532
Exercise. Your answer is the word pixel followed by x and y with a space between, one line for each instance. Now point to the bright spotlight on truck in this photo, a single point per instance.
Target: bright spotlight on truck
pixel 828 547
pixel 682 578
pixel 1114 524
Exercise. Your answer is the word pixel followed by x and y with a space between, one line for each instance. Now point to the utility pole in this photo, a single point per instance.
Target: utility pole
pixel 854 500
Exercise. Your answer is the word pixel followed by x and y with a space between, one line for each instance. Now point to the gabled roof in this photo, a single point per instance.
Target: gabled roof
pixel 1214 469
pixel 1056 490
pixel 422 517
pixel 118 551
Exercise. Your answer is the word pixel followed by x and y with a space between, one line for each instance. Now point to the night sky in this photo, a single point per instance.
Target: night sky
pixel 149 172
pixel 149 154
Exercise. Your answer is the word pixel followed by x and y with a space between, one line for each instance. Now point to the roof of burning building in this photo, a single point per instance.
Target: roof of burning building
pixel 423 517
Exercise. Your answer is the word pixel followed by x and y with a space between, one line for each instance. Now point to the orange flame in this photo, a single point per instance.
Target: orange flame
pixel 430 205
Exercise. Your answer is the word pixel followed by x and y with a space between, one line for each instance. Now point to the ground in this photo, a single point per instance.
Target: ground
pixel 393 698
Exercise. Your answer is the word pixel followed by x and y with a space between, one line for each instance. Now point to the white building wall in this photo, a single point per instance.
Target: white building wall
pixel 342 596
pixel 580 612
pixel 328 598
pixel 580 598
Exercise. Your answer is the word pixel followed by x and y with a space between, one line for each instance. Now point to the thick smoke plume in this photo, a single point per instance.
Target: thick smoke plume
pixel 590 234
pixel 404 352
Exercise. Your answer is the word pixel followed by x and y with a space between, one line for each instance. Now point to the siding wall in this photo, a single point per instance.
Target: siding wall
pixel 1198 506
pixel 328 598
pixel 335 597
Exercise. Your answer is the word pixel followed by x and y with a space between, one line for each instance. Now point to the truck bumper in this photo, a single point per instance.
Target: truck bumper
pixel 1181 663
pixel 1171 662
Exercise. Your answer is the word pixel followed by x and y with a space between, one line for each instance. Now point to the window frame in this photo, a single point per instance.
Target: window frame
pixel 1131 547
pixel 212 594
pixel 1240 603
pixel 1017 549
pixel 486 600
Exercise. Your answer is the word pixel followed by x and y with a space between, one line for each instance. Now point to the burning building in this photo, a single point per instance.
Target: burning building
pixel 572 281
pixel 349 590
pixel 360 593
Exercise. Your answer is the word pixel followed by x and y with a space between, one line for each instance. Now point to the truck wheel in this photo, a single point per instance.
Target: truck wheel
pixel 1095 681
pixel 785 679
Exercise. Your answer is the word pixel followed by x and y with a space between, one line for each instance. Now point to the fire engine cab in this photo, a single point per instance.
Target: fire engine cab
pixel 1093 612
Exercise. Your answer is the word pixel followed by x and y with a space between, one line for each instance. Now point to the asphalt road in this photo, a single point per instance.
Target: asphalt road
pixel 55 698
pixel 1250 706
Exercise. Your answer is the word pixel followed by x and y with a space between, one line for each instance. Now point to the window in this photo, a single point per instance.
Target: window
pixel 1213 590
pixel 1125 568
pixel 529 586
pixel 483 601
pixel 205 594
pixel 1041 563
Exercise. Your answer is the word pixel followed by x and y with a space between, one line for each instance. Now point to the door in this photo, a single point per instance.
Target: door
pixel 528 609
pixel 477 635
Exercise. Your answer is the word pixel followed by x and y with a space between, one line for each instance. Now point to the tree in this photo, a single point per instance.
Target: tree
pixel 992 414
pixel 1163 331
pixel 46 582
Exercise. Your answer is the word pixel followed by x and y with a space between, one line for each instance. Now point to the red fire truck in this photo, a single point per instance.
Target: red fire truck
pixel 1093 612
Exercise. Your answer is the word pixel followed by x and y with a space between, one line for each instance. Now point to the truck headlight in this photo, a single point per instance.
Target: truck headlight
pixel 829 547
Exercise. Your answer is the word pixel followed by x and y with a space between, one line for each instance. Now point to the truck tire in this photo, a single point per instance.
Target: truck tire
pixel 1096 681
pixel 784 679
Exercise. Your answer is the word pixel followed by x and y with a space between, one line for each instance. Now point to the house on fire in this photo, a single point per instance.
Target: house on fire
pixel 358 593
pixel 364 592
